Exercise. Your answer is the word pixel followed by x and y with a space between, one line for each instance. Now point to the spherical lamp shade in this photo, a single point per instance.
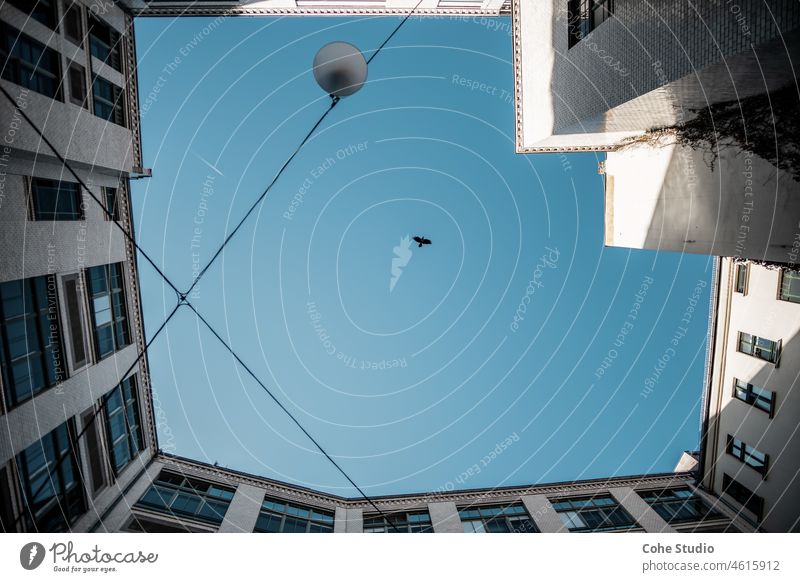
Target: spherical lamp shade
pixel 340 69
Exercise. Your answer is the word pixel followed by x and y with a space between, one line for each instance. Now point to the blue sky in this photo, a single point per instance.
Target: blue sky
pixel 515 349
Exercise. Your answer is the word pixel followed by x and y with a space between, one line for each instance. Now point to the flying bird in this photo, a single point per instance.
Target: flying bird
pixel 422 240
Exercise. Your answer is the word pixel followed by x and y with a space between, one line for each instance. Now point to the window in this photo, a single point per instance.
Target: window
pixel 50 481
pixel 679 505
pixel 789 286
pixel 109 312
pixel 583 16
pixel 110 198
pixel 411 522
pixel 741 278
pixel 76 320
pixel 42 10
pixel 755 395
pixel 55 200
pixel 123 424
pixel 599 513
pixel 31 354
pixel 758 347
pixel 29 63
pixel 94 445
pixel 187 497
pixel 104 43
pixel 108 101
pixel 283 517
pixel 77 85
pixel 748 455
pixel 743 495
pixel 73 24
pixel 497 519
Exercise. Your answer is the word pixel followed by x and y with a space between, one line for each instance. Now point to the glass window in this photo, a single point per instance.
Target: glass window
pixel 187 497
pixel 123 424
pixel 755 395
pixel 56 200
pixel 679 505
pixel 287 517
pixel 399 522
pixel 110 197
pixel 104 43
pixel 598 513
pixel 76 320
pixel 77 85
pixel 497 519
pixel 109 311
pixel 29 63
pixel 743 495
pixel 748 455
pixel 583 16
pixel 741 277
pixel 108 101
pixel 759 347
pixel 73 24
pixel 790 286
pixel 31 352
pixel 49 474
pixel 43 11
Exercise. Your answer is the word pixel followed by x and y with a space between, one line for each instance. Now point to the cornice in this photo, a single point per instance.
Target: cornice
pixel 312 11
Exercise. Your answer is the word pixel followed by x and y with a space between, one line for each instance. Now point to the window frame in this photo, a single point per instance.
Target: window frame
pixel 596 508
pixel 136 443
pixel 113 209
pixel 50 9
pixel 744 453
pixel 77 9
pixel 116 103
pixel 488 514
pixel 113 44
pixel 124 319
pixel 175 485
pixel 581 18
pixel 662 500
pixel 752 397
pixel 741 277
pixel 736 491
pixel 81 311
pixel 13 64
pixel 781 275
pixel 324 523
pixel 757 350
pixel 398 522
pixel 30 184
pixel 75 66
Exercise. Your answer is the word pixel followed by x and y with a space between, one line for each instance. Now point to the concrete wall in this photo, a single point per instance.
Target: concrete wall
pixel 639 69
pixel 757 312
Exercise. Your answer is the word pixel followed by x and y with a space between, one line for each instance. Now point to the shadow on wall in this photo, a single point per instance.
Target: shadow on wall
pixel 778 437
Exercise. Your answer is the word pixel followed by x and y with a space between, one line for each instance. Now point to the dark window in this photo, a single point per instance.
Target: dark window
pixel 748 455
pixel 743 495
pixel 790 286
pixel 77 85
pixel 29 63
pixel 76 320
pixel 104 43
pixel 583 16
pixel 109 312
pixel 49 475
pixel 108 101
pixel 599 513
pixel 755 395
pixel 94 446
pixel 73 24
pixel 741 277
pixel 679 505
pixel 278 516
pixel 123 424
pixel 411 522
pixel 31 354
pixel 56 200
pixel 497 519
pixel 758 347
pixel 187 497
pixel 110 196
pixel 42 10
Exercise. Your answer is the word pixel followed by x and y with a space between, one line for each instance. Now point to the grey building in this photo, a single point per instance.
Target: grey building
pixel 79 449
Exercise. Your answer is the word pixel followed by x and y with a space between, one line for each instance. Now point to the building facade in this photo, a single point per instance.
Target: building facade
pixel 751 440
pixel 75 409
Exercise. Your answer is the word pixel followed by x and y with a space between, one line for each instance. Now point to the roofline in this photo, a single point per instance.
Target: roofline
pixel 708 375
pixel 443 495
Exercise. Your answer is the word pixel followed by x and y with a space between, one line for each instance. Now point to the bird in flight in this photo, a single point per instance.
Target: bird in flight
pixel 422 240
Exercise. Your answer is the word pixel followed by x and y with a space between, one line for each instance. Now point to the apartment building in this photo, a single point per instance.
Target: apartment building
pixel 751 440
pixel 75 399
pixel 179 494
